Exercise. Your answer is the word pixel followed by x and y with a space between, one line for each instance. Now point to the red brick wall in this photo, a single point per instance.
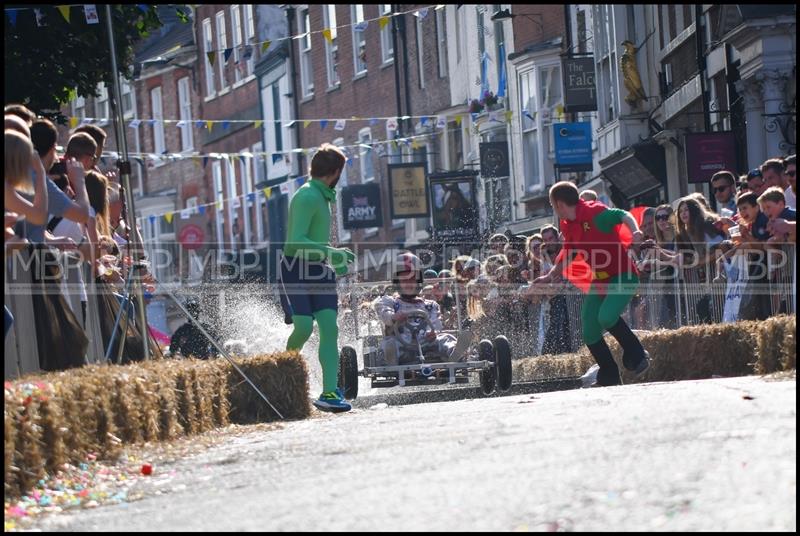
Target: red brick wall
pixel 527 32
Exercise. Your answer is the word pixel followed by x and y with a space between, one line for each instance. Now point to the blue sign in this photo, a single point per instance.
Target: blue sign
pixel 573 146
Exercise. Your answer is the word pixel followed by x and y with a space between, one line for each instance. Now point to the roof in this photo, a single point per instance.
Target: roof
pixel 537 47
pixel 172 34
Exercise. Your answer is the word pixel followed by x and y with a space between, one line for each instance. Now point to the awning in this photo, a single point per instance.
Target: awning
pixel 636 170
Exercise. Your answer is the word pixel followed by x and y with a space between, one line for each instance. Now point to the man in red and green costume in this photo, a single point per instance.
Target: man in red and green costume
pixel 595 259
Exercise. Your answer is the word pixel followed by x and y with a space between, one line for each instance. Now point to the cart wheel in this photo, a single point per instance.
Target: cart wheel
pixel 348 372
pixel 502 352
pixel 488 376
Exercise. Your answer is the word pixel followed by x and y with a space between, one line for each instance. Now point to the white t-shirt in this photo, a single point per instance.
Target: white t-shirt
pixel 76 232
pixel 791 198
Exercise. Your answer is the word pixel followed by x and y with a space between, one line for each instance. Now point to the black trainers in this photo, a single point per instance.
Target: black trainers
pixel 608 373
pixel 634 356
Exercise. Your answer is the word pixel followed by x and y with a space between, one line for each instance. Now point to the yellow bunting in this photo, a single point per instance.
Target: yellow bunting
pixel 258 124
pixel 306 123
pixel 414 144
pixel 382 22
pixel 64 12
pixel 328 35
pixel 209 125
pixel 219 205
pixel 268 192
pixel 458 120
pixel 73 122
pixel 509 115
pixel 168 216
pixel 559 110
pixel 265 45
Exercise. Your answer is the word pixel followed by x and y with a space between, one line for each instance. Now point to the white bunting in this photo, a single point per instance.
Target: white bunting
pixel 340 123
pixel 186 213
pixel 91 14
pixel 441 121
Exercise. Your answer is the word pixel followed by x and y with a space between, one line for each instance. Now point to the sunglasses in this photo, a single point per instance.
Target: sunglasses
pixel 722 188
pixel 662 217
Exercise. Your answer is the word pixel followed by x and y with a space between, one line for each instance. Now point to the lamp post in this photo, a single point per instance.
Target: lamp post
pixel 505 14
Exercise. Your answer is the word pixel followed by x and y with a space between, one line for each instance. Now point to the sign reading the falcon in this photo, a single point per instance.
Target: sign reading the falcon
pixel 361 206
pixel 580 94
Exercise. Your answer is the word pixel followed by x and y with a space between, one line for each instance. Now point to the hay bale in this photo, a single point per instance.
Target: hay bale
pixel 688 353
pixel 282 377
pixel 94 409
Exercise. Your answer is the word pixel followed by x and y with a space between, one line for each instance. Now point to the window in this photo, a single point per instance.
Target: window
pixel 247 187
pixel 441 42
pixel 581 18
pixel 236 23
pixel 365 155
pixel 458 23
pixel 481 38
pixel 276 110
pixel 530 132
pixel 420 53
pixel 344 235
pixel 222 44
pixel 250 37
pixel 79 107
pixel 128 107
pixel 387 45
pixel 101 110
pixel 160 243
pixel 359 40
pixel 261 203
pixel 306 69
pixel 233 200
pixel 208 43
pixel 332 46
pixel 499 41
pixel 219 198
pixel 185 111
pixel 159 146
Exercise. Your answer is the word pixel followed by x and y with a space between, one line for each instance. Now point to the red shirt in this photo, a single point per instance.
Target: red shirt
pixel 602 240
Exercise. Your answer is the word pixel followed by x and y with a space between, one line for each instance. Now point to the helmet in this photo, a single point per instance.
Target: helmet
pixel 406 262
pixel 430 274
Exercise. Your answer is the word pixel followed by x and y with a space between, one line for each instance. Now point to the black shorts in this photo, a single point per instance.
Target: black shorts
pixel 306 287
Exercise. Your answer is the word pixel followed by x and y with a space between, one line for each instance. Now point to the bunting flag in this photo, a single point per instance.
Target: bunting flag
pixel 501 85
pixel 205 161
pixel 493 117
pixel 275 158
pixel 328 35
pixel 248 52
pixel 168 216
pixel 423 121
pixel 265 45
pixel 391 124
pixel 201 209
pixel 209 126
pixel 527 114
pixel 323 124
pixel 219 205
pixel 251 196
pixel 415 144
pixel 73 122
pixel 186 213
pixel 152 219
pixel 227 54
pixel 212 56
pixel 441 121
pixel 382 22
pixel 306 123
pixel 340 124
pixel 267 192
pixel 284 187
pixel 361 26
pixel 12 16
pixel 199 124
pixel 142 7
pixel 299 181
pixel 257 124
pixel 458 120
pixel 373 122
pixel 90 10
pixel 180 124
pixel 422 13
pixel 509 115
pixel 64 12
pixel 559 110
pixel 226 125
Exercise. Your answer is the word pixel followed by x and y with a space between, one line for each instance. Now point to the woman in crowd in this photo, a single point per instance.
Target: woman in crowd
pixel 660 261
pixel 701 234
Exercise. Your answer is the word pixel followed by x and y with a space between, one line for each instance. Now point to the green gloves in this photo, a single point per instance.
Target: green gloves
pixel 340 258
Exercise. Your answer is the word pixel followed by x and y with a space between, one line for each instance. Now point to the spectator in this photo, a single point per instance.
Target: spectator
pixel 492 263
pixel 13 122
pixel 20 160
pixel 20 111
pixel 663 271
pixel 773 203
pixel 790 178
pixel 497 243
pixel 648 226
pixel 755 304
pixel 44 137
pixel 588 195
pixel 557 339
pixel 743 184
pixel 534 249
pixel 755 181
pixel 82 148
pixel 99 137
pixel 723 186
pixel 700 235
pixel 11 242
pixel 772 173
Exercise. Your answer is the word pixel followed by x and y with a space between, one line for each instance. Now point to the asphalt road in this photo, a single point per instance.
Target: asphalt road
pixel 698 455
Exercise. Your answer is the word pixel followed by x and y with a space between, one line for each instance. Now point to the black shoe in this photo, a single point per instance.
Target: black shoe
pixel 608 374
pixel 634 356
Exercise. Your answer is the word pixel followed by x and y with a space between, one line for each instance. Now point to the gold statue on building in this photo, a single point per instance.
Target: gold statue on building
pixel 630 75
